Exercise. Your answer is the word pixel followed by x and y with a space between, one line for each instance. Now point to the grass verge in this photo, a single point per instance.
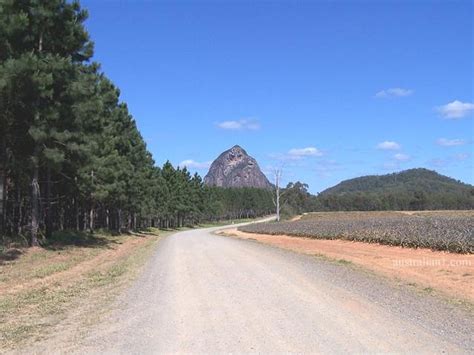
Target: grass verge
pixel 41 287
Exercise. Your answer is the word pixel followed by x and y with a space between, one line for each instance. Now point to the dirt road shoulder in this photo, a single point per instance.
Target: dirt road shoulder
pixel 445 273
pixel 45 290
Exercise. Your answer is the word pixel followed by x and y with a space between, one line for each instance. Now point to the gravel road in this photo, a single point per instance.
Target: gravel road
pixel 206 293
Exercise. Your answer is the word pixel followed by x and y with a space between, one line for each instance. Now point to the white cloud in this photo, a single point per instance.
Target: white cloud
pixel 450 142
pixel 239 125
pixel 305 152
pixel 388 145
pixel 393 92
pixel 455 109
pixel 191 164
pixel 401 157
pixel 297 156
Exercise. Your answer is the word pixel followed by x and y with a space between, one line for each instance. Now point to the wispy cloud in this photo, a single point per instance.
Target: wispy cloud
pixel 305 152
pixel 388 145
pixel 451 160
pixel 192 164
pixel 393 92
pixel 396 162
pixel 455 109
pixel 297 155
pixel 450 142
pixel 401 157
pixel 240 125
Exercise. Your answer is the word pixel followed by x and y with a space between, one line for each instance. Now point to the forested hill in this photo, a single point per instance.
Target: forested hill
pixel 410 189
pixel 411 180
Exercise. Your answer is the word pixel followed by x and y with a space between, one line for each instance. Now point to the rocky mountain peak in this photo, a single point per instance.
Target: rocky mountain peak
pixel 235 168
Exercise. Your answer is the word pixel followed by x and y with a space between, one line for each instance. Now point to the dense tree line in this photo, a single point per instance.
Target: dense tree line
pixel 410 194
pixel 296 199
pixel 71 156
pixel 409 190
pixel 413 189
pixel 398 201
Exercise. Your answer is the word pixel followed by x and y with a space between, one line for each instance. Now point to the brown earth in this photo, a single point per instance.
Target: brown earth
pixel 202 293
pixel 206 294
pixel 51 290
pixel 68 276
pixel 448 273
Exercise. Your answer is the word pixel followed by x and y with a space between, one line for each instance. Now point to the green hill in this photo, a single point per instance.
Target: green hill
pixel 409 180
pixel 407 190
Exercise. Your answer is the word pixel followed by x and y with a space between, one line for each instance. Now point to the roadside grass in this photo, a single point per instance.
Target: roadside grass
pixel 71 274
pixel 344 262
pixel 227 222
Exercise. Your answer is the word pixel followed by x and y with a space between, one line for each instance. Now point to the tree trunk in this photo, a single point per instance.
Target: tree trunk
pixel 76 214
pixel 119 221
pixel 91 210
pixel 91 219
pixel 3 184
pixel 277 190
pixel 278 205
pixel 49 218
pixel 35 188
pixel 20 212
pixel 35 196
pixel 3 199
pixel 61 215
pixel 84 220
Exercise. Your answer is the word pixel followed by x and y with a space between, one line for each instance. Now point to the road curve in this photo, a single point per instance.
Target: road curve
pixel 206 293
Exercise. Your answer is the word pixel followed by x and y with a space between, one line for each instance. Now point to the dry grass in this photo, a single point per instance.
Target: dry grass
pixel 40 287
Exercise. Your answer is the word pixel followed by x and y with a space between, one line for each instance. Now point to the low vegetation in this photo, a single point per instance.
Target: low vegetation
pixel 73 273
pixel 449 231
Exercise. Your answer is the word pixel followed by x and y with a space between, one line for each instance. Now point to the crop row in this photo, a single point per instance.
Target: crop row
pixel 449 233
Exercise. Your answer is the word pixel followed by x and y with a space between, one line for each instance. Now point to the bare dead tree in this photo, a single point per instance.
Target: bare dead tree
pixel 276 200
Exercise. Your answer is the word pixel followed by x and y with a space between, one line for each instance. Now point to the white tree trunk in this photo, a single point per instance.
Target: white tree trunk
pixel 277 193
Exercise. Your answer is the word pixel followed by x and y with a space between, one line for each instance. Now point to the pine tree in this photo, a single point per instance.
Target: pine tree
pixel 71 155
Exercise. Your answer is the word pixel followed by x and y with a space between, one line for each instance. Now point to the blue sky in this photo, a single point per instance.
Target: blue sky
pixel 327 90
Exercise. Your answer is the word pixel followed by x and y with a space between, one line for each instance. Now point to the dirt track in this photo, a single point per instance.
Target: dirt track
pixel 207 293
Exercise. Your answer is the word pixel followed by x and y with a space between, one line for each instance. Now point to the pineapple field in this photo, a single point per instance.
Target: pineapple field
pixel 451 231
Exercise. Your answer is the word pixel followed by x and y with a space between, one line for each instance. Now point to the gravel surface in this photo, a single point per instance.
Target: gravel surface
pixel 206 293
